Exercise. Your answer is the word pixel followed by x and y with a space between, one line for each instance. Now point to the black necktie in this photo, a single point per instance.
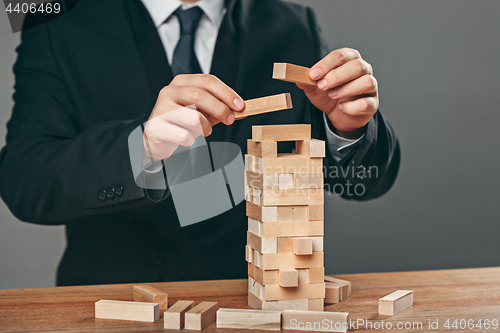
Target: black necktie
pixel 184 60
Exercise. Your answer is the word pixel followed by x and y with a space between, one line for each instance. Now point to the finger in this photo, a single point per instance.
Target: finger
pixel 173 134
pixel 190 119
pixel 364 106
pixel 345 73
pixel 214 86
pixel 364 85
pixel 203 100
pixel 333 60
pixel 306 88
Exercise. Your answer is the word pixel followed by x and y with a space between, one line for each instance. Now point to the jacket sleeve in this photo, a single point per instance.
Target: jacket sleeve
pixel 373 167
pixel 51 171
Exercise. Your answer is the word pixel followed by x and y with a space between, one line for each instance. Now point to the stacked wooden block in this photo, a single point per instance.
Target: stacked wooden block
pixel 285 199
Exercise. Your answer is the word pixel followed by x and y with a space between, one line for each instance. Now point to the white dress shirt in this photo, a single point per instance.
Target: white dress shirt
pixel 204 46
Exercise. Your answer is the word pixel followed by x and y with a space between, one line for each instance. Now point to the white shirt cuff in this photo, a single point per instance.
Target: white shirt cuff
pixel 340 147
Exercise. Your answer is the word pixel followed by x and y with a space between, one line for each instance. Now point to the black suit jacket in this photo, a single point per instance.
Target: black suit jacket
pixel 86 80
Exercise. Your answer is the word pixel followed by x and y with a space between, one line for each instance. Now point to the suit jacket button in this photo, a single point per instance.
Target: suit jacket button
pixel 119 190
pixel 110 192
pixel 102 195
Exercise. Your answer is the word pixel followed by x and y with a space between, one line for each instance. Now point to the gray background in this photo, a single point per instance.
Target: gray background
pixel 439 77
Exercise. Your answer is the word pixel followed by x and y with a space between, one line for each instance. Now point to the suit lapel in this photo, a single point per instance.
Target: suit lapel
pixel 225 64
pixel 150 48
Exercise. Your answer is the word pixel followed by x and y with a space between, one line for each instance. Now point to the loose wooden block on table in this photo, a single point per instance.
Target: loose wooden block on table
pixel 143 293
pixel 262 149
pixel 292 73
pixel 311 148
pixel 274 292
pixel 281 132
pixel 201 315
pixel 292 197
pixel 260 213
pixel 332 279
pixel 302 246
pixel 174 316
pixel 262 245
pixel 312 321
pixel 396 302
pixel 272 261
pixel 249 319
pixel 123 310
pixel 289 277
pixel 264 105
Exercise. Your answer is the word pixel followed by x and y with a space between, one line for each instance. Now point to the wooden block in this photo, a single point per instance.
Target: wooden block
pixel 292 73
pixel 313 321
pixel 284 164
pixel 316 304
pixel 285 213
pixel 343 289
pixel 248 254
pixel 262 276
pixel 293 304
pixel 285 181
pixel 274 292
pixel 265 105
pixel 302 246
pixel 174 316
pixel 285 245
pixel 257 196
pixel 317 243
pixel 149 294
pixel 255 226
pixel 311 148
pixel 258 304
pixel 303 275
pixel 293 197
pixel 289 260
pixel 262 149
pixel 396 302
pixel 291 228
pixel 281 132
pixel 316 212
pixel 332 293
pixel 201 315
pixel 262 245
pixel 316 274
pixel 299 213
pixel 309 180
pixel 261 181
pixel 260 213
pixel 257 258
pixel 289 277
pixel 122 310
pixel 249 319
pixel 339 281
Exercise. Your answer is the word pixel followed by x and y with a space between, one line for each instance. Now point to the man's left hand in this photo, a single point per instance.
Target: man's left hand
pixel 346 91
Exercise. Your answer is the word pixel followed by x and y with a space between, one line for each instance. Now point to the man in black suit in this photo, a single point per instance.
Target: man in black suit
pixel 86 80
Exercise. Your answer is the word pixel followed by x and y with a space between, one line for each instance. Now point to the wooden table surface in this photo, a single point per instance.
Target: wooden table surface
pixel 438 295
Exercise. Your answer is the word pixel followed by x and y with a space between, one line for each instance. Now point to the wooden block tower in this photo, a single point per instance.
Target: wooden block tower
pixel 285 198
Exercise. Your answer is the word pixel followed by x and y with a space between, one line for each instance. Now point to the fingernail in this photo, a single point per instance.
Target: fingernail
pixel 322 84
pixel 230 119
pixel 238 104
pixel 332 93
pixel 341 106
pixel 315 74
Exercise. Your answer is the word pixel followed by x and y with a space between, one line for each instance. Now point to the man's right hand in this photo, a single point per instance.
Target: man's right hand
pixel 172 123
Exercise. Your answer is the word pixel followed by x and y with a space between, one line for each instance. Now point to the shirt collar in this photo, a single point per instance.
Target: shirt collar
pixel 161 10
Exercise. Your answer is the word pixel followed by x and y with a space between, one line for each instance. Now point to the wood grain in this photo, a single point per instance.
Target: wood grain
pixel 265 105
pixel 249 319
pixel 292 73
pixel 442 294
pixel 144 293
